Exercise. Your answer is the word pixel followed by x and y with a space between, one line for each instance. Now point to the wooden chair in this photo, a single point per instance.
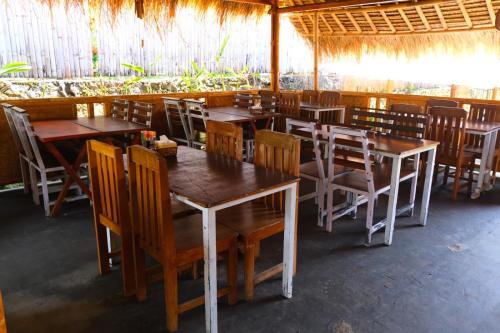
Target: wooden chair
pixel 142 113
pixel 197 116
pixel 405 108
pixel 474 143
pixel 176 119
pixel 173 244
pixel 315 170
pixel 330 99
pixel 268 100
pixel 111 210
pixel 447 126
pixel 120 109
pixel 243 100
pixel 310 96
pixel 24 161
pixel 288 105
pixel 432 102
pixel 3 324
pixel 225 139
pixel 42 162
pixel 260 219
pixel 364 183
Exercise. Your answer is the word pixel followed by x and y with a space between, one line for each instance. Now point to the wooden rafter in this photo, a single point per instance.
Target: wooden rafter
pixel 322 17
pixel 405 18
pixel 330 5
pixel 253 2
pixel 464 13
pixel 353 21
pixel 336 19
pixel 303 24
pixel 389 23
pixel 441 17
pixel 491 12
pixel 423 18
pixel 370 22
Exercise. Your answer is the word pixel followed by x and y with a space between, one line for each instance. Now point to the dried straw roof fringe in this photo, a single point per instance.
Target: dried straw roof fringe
pixel 411 45
pixel 156 10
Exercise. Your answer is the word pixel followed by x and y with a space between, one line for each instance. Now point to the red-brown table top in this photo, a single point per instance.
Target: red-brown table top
pixel 482 126
pixel 110 125
pixel 243 112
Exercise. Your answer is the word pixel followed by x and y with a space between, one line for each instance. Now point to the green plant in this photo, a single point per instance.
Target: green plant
pixel 14 67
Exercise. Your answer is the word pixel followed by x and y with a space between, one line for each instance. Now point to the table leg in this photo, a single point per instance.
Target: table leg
pixel 289 239
pixel 316 114
pixel 414 182
pixel 393 200
pixel 73 175
pixel 429 174
pixel 491 156
pixel 482 167
pixel 342 115
pixel 210 276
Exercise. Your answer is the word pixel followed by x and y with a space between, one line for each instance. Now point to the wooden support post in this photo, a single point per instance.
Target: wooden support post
pixel 275 47
pixel 495 93
pixel 390 86
pixel 316 50
pixel 453 92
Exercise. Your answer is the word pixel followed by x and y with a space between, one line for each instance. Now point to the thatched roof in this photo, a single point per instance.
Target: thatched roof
pixel 409 28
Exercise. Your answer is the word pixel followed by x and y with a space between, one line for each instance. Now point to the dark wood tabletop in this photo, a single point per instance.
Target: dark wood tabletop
pixel 387 144
pixel 110 125
pixel 57 130
pixel 210 180
pixel 227 117
pixel 243 112
pixel 482 126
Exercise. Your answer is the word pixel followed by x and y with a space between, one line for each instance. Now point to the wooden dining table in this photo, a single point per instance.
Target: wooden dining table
pixel 241 115
pixel 396 149
pixel 317 109
pixel 49 132
pixel 210 183
pixel 489 132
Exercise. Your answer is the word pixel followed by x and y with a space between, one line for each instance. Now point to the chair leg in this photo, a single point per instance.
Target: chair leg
pixel 456 183
pixel 321 201
pixel 369 220
pixel 24 174
pixel 45 193
pixel 194 270
pixel 329 208
pixel 102 248
pixel 171 297
pixel 471 178
pixel 446 175
pixel 249 257
pixel 140 273
pixel 34 185
pixel 232 273
pixel 128 266
pixel 257 249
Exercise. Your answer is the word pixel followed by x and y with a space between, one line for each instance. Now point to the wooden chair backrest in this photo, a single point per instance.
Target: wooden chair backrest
pixel 196 110
pixel 3 323
pixel 109 189
pixel 120 108
pixel 243 100
pixel 268 100
pixel 225 139
pixel 351 151
pixel 289 105
pixel 329 98
pixel 432 102
pixel 310 96
pixel 395 123
pixel 280 152
pixel 482 113
pixel 12 127
pixel 149 193
pixel 296 126
pixel 447 126
pixel 175 112
pixel 142 113
pixel 411 108
pixel 27 135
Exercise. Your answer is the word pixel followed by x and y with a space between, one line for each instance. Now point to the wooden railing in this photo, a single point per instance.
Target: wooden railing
pixel 66 108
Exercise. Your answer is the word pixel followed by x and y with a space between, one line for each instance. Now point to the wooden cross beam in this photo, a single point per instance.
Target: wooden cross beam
pixel 331 5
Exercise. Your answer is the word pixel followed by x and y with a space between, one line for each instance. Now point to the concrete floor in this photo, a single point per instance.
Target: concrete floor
pixel 444 277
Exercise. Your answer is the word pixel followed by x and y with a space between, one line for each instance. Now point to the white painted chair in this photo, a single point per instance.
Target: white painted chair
pixel 197 114
pixel 175 112
pixel 314 170
pixel 23 158
pixel 51 172
pixel 364 183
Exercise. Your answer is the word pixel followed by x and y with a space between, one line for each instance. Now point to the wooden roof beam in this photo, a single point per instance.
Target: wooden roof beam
pixel 491 12
pixel 330 5
pixel 322 17
pixel 336 19
pixel 423 18
pixel 354 23
pixel 441 16
pixel 389 23
pixel 405 18
pixel 464 13
pixel 370 22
